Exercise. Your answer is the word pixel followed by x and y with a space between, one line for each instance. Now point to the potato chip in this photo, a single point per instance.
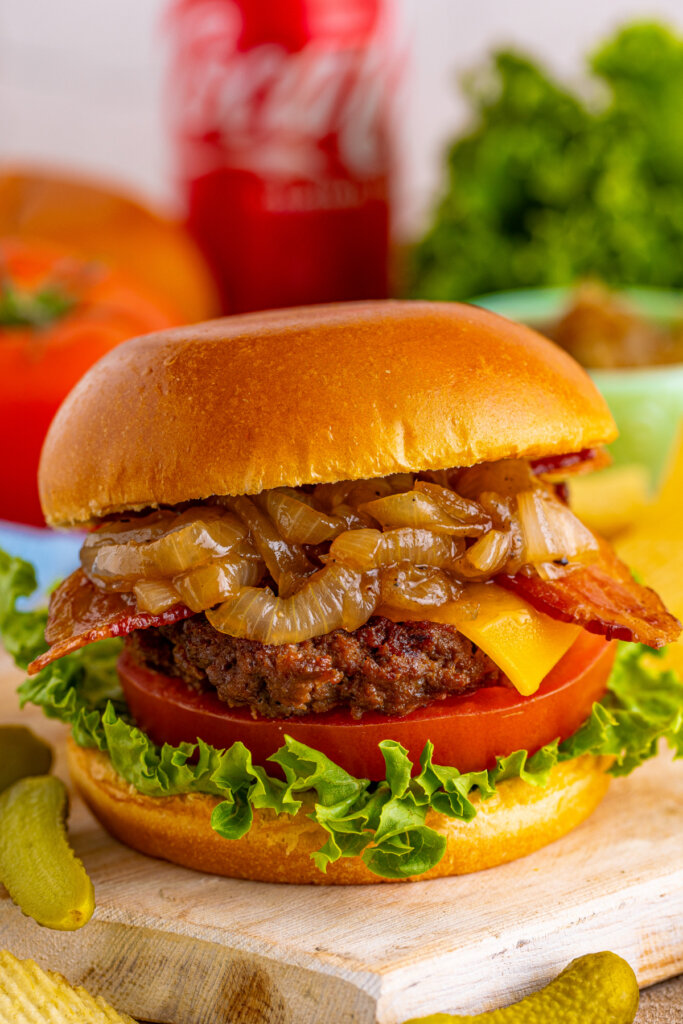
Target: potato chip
pixel 30 995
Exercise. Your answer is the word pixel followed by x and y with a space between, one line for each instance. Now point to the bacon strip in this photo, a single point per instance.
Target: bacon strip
pixel 602 597
pixel 81 613
pixel 585 461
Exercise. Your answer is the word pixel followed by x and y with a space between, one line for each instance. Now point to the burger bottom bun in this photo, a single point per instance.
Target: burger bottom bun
pixel 517 820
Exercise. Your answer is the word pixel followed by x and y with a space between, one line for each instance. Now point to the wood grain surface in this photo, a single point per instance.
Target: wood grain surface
pixel 172 945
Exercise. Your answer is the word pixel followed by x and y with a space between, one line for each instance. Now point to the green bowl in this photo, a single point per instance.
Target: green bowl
pixel 646 402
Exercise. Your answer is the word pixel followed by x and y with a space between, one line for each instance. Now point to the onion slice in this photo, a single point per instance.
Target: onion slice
pixel 417 588
pixel 334 598
pixel 208 585
pixel 286 563
pixel 411 509
pixel 155 596
pixel 298 522
pixel 487 556
pixel 372 549
pixel 506 478
pixel 194 537
pixel 352 518
pixel 356 492
pixel 468 513
pixel 551 530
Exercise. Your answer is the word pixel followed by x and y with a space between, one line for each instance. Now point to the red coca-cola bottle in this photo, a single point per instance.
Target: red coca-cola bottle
pixel 280 112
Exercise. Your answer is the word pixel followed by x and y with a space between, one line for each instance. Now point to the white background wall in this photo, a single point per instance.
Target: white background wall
pixel 81 80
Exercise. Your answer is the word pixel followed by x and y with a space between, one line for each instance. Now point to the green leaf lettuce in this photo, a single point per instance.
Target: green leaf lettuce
pixel 550 184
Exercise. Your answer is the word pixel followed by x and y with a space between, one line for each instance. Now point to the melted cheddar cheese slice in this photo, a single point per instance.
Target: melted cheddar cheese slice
pixel 524 643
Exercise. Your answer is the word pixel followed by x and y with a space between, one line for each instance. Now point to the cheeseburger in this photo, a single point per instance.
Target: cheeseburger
pixel 364 637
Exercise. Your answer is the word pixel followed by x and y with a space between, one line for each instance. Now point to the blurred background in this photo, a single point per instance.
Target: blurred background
pixel 162 161
pixel 82 84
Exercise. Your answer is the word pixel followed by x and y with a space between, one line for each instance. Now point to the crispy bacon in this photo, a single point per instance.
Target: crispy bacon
pixel 81 613
pixel 585 461
pixel 602 597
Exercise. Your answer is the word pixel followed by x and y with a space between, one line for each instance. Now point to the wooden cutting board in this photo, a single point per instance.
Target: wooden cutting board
pixel 169 944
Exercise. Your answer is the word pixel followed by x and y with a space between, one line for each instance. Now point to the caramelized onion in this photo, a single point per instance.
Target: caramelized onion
pixel 192 538
pixel 356 548
pixel 412 509
pixel 442 477
pixel 417 588
pixel 507 477
pixel 123 532
pixel 368 490
pixel 207 585
pixel 334 598
pixel 299 494
pixel 488 555
pixel 286 563
pixel 503 513
pixel 396 538
pixel 372 549
pixel 329 495
pixel 468 513
pixel 550 529
pixel 400 481
pixel 155 596
pixel 360 601
pixel 298 522
pixel 136 528
pixel 352 518
pixel 356 492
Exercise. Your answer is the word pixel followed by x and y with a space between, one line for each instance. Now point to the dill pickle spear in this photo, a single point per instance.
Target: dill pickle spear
pixel 22 753
pixel 38 867
pixel 599 988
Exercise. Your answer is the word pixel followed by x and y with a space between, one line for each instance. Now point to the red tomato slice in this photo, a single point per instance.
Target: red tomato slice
pixel 467 732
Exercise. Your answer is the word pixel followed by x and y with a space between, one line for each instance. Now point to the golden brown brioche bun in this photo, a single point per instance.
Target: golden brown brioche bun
pixel 519 819
pixel 311 395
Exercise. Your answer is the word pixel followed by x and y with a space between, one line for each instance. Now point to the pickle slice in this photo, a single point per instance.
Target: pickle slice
pixel 599 988
pixel 38 867
pixel 22 753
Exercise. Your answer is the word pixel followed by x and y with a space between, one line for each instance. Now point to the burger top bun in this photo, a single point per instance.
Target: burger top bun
pixel 310 395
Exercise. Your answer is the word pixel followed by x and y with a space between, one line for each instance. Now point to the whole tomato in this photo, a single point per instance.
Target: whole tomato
pixel 59 312
pixel 104 223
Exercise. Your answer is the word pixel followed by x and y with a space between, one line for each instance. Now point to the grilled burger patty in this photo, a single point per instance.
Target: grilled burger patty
pixel 383 666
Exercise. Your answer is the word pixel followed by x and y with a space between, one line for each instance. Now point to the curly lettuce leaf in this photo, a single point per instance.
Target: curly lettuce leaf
pixel 550 184
pixel 22 633
pixel 384 822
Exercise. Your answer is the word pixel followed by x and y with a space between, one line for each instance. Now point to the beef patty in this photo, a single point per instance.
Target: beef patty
pixel 383 666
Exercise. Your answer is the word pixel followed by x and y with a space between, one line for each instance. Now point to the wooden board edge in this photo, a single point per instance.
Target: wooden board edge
pixel 649 936
pixel 169 978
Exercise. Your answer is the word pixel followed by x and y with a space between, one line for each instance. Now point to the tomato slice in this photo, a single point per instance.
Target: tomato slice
pixel 467 732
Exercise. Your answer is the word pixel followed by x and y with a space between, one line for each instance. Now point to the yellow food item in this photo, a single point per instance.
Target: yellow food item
pixel 654 549
pixel 524 643
pixel 23 753
pixel 38 867
pixel 599 988
pixel 611 500
pixel 29 994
